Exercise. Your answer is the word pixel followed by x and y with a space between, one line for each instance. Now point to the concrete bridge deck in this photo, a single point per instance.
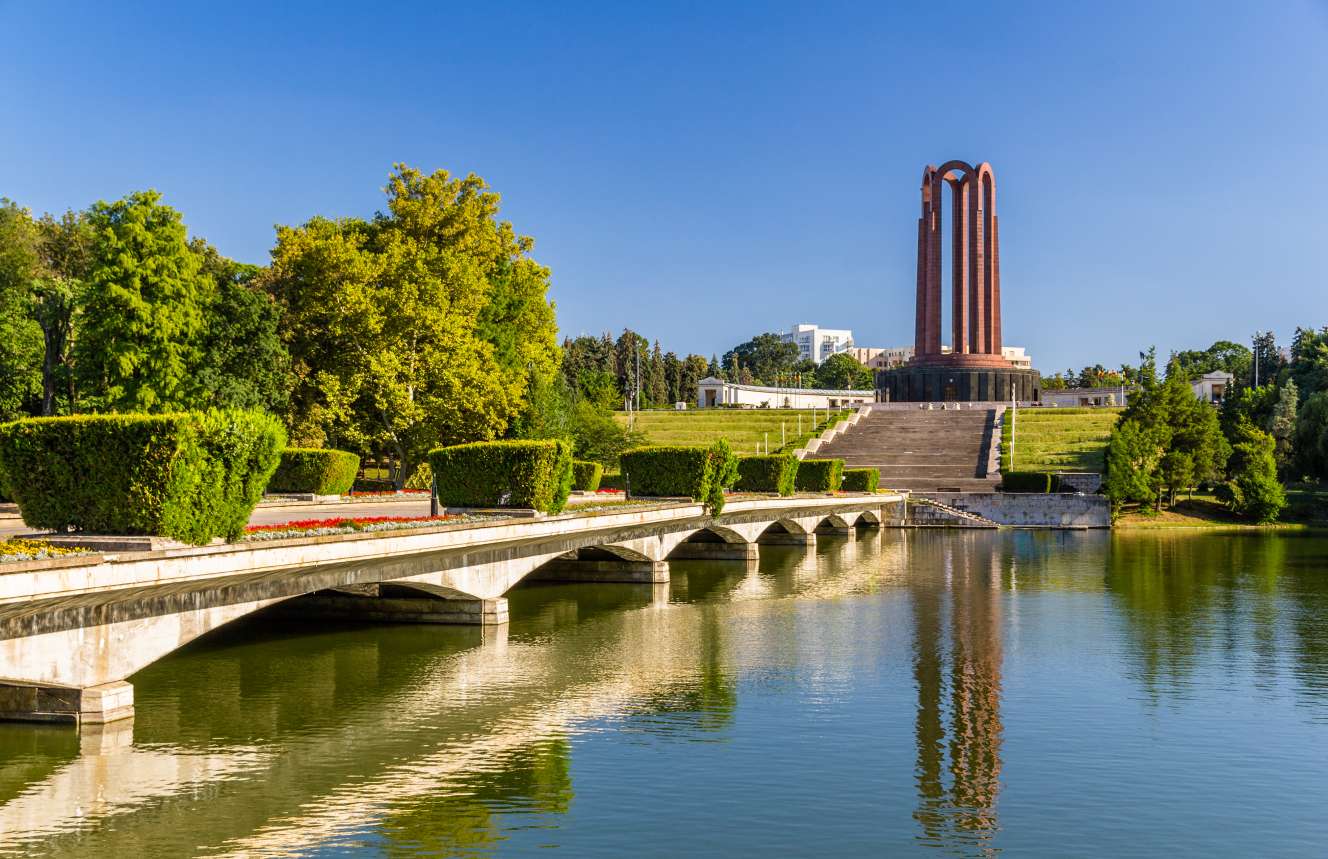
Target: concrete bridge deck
pixel 72 630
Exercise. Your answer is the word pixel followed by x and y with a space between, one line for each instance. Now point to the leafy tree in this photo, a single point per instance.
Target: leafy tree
pixel 843 372
pixel 143 309
pixel 1222 356
pixel 596 436
pixel 1309 360
pixel 1134 455
pixel 20 336
pixel 244 364
pixel 1252 489
pixel 764 356
pixel 548 410
pixel 1282 425
pixel 1311 438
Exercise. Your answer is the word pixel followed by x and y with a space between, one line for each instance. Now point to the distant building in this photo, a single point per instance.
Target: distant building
pixel 717 392
pixel 815 343
pixel 1212 387
pixel 1080 397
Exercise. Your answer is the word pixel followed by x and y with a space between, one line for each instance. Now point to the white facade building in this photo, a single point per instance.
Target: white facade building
pixel 816 343
pixel 717 392
pixel 1212 387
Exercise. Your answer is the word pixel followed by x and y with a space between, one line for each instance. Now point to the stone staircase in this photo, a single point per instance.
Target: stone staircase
pixel 928 513
pixel 921 450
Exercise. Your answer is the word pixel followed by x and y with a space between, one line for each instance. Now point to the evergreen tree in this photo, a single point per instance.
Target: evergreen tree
pixel 673 377
pixel 143 309
pixel 657 380
pixel 1282 425
pixel 1252 489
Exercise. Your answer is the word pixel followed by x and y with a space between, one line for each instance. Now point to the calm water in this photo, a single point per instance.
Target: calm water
pixel 909 693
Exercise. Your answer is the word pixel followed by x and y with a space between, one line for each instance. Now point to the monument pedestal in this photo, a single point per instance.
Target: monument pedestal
pixel 938 384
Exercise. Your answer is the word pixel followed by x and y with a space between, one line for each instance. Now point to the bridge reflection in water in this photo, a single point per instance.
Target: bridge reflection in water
pixel 263 739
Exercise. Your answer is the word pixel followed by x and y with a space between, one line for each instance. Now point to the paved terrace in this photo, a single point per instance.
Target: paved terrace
pixel 73 629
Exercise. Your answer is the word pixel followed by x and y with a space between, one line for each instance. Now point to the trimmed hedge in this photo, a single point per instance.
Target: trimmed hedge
pixel 860 480
pixel 533 474
pixel 315 470
pixel 189 476
pixel 819 475
pixel 1030 481
pixel 586 475
pixel 774 473
pixel 699 473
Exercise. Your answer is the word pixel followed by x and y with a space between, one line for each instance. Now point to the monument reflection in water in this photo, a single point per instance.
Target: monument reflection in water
pixel 904 691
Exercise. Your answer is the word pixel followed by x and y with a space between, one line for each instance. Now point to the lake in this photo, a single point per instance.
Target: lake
pixel 905 693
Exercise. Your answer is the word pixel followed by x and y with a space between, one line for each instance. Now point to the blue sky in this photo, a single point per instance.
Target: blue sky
pixel 702 172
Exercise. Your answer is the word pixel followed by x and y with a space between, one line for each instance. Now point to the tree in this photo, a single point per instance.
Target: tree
pixel 385 324
pixel 142 310
pixel 1282 425
pixel 843 372
pixel 1252 489
pixel 244 364
pixel 632 356
pixel 673 377
pixel 694 369
pixel 596 436
pixel 1134 454
pixel 764 356
pixel 1311 439
pixel 657 381
pixel 1309 360
pixel 1266 358
pixel 1222 356
pixel 20 336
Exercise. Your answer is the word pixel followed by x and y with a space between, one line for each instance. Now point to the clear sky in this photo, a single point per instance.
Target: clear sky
pixel 704 171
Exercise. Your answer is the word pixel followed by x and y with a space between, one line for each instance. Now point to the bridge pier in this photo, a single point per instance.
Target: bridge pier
pixel 400 609
pixel 787 538
pixel 95 705
pixel 601 566
pixel 716 551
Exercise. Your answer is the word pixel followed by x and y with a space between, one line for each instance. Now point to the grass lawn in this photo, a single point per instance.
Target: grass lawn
pixel 746 429
pixel 1307 507
pixel 1058 439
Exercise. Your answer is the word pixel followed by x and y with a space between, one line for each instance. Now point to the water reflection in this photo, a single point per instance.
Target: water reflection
pixel 899 668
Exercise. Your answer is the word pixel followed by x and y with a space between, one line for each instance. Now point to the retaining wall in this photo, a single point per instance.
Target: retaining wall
pixel 1061 510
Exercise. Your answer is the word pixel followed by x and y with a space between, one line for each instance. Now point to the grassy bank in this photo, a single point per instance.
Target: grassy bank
pixel 1307 507
pixel 746 429
pixel 1058 439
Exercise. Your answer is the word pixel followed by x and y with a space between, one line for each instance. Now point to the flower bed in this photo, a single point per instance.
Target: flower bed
pixel 385 493
pixel 12 551
pixel 343 525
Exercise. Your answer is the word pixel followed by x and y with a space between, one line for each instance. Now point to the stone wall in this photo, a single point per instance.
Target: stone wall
pixel 1061 510
pixel 1087 482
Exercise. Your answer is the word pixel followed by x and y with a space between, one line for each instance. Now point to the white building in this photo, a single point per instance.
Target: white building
pixel 1082 397
pixel 1212 387
pixel 816 343
pixel 717 392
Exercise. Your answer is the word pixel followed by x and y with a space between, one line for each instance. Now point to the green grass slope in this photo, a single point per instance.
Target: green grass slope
pixel 1058 439
pixel 746 429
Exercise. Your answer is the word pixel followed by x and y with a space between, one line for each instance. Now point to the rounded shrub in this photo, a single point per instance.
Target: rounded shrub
pixel 586 475
pixel 860 480
pixel 819 475
pixel 776 472
pixel 525 474
pixel 189 476
pixel 315 470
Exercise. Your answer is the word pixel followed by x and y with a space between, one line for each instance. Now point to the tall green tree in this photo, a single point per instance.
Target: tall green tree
pixel 1309 360
pixel 1252 489
pixel 20 336
pixel 1282 426
pixel 143 309
pixel 764 356
pixel 244 364
pixel 1311 438
pixel 843 372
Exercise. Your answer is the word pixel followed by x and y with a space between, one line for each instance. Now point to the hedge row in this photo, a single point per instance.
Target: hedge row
pixel 776 472
pixel 315 470
pixel 530 474
pixel 860 480
pixel 586 475
pixel 699 473
pixel 819 475
pixel 1029 481
pixel 190 476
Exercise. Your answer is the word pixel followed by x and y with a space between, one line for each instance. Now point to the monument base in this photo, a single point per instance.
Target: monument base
pixel 939 383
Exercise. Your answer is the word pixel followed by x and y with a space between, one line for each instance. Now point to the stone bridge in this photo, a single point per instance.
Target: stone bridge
pixel 73 629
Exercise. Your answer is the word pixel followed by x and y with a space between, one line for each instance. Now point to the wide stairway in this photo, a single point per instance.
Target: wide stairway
pixel 920 450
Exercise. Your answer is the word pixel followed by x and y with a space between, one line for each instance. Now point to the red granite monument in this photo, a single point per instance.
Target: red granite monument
pixel 973 369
